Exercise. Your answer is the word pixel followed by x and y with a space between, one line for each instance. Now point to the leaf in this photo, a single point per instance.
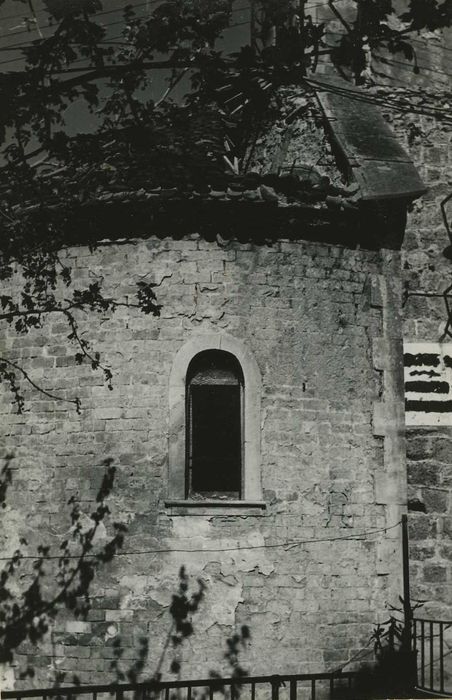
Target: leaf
pixel 394 22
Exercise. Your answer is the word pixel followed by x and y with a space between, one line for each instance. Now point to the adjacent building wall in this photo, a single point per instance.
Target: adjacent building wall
pixel 429 446
pixel 425 269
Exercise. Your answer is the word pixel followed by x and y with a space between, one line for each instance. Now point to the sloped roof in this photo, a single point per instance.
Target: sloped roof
pixel 315 159
pixel 373 156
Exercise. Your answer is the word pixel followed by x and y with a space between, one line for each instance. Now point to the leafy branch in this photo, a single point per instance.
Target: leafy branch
pixel 27 609
pixel 202 141
pixel 32 317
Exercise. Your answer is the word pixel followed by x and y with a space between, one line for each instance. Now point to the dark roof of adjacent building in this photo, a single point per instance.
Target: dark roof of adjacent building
pixel 351 147
pixel 374 157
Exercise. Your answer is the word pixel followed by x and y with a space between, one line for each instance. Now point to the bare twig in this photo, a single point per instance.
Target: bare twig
pixel 171 86
pixel 49 394
pixel 32 10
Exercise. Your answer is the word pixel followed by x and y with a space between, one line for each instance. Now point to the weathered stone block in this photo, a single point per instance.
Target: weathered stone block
pixel 421 552
pixel 77 627
pixel 447 526
pixel 424 474
pixel 419 448
pixel 435 573
pixel 442 450
pixel 436 501
pixel 422 527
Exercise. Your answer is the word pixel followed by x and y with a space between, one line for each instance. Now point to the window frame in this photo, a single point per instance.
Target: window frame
pixel 251 422
pixel 191 383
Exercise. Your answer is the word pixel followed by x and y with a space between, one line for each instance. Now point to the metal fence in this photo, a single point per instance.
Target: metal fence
pixel 315 686
pixel 432 640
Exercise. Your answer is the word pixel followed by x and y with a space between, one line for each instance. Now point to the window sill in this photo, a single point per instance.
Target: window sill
pixel 215 507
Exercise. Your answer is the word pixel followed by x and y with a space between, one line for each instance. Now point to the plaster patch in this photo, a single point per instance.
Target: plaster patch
pixel 86 524
pixel 6 677
pixel 111 633
pixel 189 527
pixel 222 602
pixel 140 588
pixel 12 525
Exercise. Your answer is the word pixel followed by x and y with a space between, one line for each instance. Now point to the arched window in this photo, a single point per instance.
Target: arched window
pixel 214 426
pixel 214 403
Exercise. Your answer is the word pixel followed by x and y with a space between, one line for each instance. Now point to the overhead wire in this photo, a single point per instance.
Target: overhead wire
pixel 134 6
pixel 234 10
pixel 28 44
pixel 367 97
pixel 373 99
pixel 386 102
pixel 238 24
pixel 97 14
pixel 239 9
pixel 406 66
pixel 417 92
pixel 169 550
pixel 109 12
pixel 408 39
pixel 382 59
pixel 25 45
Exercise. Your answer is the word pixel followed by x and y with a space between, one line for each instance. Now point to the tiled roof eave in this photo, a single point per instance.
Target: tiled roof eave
pixel 315 201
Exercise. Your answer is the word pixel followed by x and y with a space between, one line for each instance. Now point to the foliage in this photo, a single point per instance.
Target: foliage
pixel 234 645
pixel 184 605
pixel 378 24
pixel 394 672
pixel 394 635
pixel 35 588
pixel 141 144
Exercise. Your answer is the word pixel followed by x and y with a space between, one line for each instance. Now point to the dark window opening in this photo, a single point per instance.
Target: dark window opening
pixel 214 426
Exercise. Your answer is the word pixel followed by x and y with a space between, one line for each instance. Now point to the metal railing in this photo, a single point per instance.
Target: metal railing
pixel 313 686
pixel 434 656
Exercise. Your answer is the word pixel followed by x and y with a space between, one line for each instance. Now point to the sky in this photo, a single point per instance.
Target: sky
pixel 18 27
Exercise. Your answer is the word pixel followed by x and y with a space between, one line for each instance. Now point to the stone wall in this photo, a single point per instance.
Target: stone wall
pixel 429 143
pixel 429 453
pixel 321 322
pixel 429 448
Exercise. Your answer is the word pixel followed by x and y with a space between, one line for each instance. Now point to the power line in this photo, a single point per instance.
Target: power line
pixel 406 66
pixel 97 14
pixel 109 12
pixel 238 9
pixel 375 100
pixel 353 92
pixel 417 93
pixel 289 543
pixel 409 39
pixel 436 113
pixel 106 26
pixel 439 48
pixel 86 58
pixel 28 45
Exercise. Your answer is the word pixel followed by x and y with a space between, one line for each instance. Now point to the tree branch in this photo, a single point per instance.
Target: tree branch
pixel 83 345
pixel 54 397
